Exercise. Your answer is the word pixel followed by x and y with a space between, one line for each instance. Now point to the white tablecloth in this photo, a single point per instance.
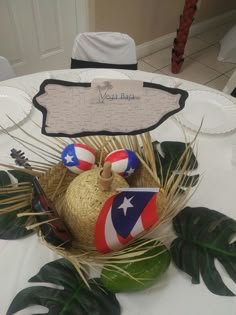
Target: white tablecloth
pixel 174 294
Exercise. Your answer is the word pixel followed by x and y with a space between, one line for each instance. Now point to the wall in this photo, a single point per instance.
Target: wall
pixel 146 20
pixel 211 8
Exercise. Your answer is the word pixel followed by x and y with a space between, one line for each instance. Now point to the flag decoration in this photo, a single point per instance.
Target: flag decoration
pixel 78 158
pixel 124 162
pixel 124 216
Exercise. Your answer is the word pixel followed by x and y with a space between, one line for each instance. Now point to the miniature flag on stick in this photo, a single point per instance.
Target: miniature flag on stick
pixel 124 216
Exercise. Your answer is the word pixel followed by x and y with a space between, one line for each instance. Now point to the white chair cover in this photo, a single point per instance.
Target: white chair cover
pixel 6 71
pixel 230 87
pixel 105 47
pixel 227 51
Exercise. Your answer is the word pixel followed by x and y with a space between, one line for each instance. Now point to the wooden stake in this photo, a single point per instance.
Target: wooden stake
pixel 105 178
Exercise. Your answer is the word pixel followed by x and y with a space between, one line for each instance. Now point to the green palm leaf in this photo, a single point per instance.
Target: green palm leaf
pixel 168 155
pixel 12 227
pixel 203 236
pixel 75 297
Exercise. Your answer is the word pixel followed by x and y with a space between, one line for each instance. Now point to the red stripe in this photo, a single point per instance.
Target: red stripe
pixel 116 156
pixel 149 215
pixel 83 165
pixel 124 240
pixel 100 239
pixel 78 145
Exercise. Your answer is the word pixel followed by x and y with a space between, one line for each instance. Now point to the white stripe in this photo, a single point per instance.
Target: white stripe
pixel 75 169
pixel 138 228
pixel 84 155
pixel 120 166
pixel 146 189
pixel 110 234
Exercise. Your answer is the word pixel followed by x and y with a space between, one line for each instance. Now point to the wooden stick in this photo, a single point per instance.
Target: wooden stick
pixel 59 184
pixel 33 137
pixel 151 152
pixel 30 227
pixel 150 171
pixel 26 170
pixel 28 214
pixel 105 178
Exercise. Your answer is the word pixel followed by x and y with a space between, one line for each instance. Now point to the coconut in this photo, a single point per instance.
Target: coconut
pixel 82 203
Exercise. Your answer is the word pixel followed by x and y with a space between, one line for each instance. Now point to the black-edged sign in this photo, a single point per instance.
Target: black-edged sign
pixel 105 107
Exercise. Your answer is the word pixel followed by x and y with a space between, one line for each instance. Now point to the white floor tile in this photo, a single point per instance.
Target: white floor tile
pixel 229 73
pixel 143 66
pixel 193 71
pixel 194 45
pixel 218 83
pixel 159 59
pixel 158 72
pixel 208 57
pixel 201 64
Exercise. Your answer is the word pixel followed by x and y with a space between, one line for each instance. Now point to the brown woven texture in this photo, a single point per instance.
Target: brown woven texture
pixel 82 203
pixel 79 199
pixel 55 181
pixel 141 178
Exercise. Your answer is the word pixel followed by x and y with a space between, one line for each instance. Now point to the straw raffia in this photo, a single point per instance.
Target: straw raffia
pixel 55 180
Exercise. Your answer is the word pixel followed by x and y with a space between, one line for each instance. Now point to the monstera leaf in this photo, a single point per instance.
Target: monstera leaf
pixel 203 236
pixel 75 297
pixel 12 227
pixel 168 155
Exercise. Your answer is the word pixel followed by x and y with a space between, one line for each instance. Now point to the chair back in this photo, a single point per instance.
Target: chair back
pixel 230 87
pixel 6 71
pixel 104 50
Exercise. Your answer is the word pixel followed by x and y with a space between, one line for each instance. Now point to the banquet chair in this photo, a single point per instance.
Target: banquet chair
pixel 230 87
pixel 104 50
pixel 6 71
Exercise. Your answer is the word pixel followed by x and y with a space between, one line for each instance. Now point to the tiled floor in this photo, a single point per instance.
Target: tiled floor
pixel 200 65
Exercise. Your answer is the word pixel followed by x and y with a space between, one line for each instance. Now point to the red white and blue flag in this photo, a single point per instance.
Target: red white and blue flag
pixel 124 216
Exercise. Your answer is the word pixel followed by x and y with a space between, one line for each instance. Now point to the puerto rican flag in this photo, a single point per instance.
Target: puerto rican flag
pixel 78 157
pixel 124 162
pixel 124 216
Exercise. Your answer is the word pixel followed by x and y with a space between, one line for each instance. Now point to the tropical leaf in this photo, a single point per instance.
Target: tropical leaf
pixel 21 176
pixel 73 299
pixel 203 236
pixel 168 155
pixel 12 227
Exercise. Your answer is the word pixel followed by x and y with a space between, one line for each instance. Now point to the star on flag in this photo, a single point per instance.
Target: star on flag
pixel 130 171
pixel 126 204
pixel 68 158
pixel 114 228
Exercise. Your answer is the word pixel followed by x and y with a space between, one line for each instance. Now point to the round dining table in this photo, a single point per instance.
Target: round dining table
pixel 215 149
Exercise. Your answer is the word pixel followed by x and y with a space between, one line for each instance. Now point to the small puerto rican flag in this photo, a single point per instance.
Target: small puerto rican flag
pixel 124 216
